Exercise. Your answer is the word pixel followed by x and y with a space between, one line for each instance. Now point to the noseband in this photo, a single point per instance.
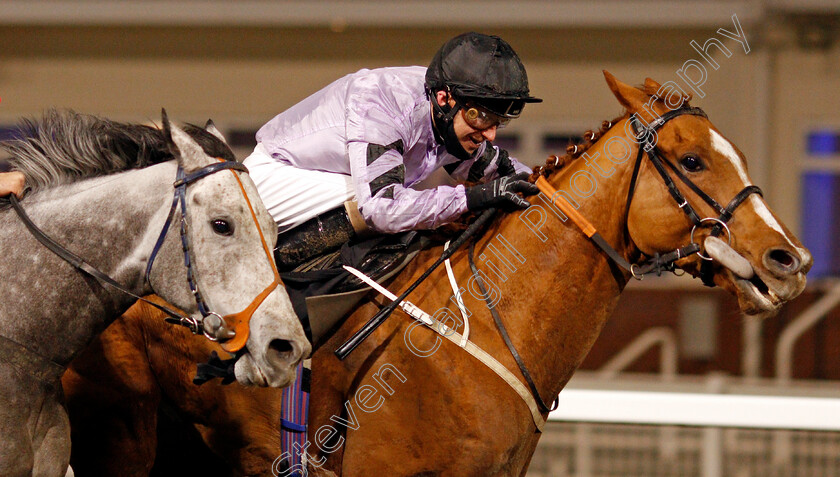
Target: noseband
pixel 646 137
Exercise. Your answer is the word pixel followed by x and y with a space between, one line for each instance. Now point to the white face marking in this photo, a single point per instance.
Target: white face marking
pixel 724 147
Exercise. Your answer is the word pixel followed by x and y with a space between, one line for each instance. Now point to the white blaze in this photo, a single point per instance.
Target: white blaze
pixel 724 147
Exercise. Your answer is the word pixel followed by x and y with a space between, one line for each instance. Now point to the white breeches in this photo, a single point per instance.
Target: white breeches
pixel 293 195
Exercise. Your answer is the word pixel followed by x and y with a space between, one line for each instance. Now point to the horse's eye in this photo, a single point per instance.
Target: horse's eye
pixel 691 163
pixel 222 227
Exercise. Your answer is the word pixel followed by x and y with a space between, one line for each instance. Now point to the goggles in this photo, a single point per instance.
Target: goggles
pixel 480 119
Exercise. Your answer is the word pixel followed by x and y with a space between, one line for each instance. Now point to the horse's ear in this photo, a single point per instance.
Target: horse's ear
pixel 184 149
pixel 212 129
pixel 633 99
pixel 651 86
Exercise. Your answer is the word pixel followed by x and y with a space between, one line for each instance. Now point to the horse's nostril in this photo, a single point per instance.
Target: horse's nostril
pixel 782 257
pixel 783 260
pixel 284 348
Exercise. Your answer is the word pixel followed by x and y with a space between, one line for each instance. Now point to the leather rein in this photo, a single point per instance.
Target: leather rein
pixel 231 330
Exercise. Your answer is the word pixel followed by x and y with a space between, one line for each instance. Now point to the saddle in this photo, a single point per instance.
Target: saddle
pixel 323 293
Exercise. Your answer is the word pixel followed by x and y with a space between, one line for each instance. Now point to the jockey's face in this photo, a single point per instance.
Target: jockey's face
pixel 469 137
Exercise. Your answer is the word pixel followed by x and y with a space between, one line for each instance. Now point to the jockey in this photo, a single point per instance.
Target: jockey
pixel 367 138
pixel 11 183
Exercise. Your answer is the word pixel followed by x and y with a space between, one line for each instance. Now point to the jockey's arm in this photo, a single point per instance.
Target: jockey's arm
pixel 377 139
pixel 502 177
pixel 11 183
pixel 387 204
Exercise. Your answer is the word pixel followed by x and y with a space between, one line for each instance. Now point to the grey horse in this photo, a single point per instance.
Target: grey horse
pixel 94 192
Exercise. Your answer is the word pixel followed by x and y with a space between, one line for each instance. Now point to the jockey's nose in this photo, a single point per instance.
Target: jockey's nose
pixel 489 133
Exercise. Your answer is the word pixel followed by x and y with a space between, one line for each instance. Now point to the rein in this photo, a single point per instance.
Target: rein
pixel 503 332
pixel 76 261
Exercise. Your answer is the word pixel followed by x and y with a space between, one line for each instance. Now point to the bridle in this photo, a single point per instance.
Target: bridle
pixel 646 136
pixel 230 330
pixel 666 262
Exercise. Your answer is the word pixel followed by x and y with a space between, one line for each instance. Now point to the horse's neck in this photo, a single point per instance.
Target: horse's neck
pixel 107 221
pixel 565 290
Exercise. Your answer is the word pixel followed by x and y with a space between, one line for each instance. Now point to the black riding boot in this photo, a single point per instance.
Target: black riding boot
pixel 322 234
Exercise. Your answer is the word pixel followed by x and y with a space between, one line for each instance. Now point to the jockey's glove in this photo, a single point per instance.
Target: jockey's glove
pixel 504 166
pixel 501 193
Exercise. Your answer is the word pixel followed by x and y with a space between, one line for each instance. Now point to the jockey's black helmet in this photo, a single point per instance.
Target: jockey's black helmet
pixel 483 69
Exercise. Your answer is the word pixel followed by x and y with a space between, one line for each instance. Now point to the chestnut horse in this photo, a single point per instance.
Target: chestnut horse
pixel 408 403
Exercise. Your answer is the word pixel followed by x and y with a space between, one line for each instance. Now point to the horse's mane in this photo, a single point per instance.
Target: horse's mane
pixel 65 146
pixel 575 150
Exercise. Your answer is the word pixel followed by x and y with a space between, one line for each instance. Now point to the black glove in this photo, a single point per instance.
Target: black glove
pixel 501 193
pixel 504 166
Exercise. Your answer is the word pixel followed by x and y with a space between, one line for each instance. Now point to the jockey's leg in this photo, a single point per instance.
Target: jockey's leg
pixel 312 209
pixel 316 236
pixel 293 195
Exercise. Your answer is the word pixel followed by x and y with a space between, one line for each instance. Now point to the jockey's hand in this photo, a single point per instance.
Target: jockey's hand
pixel 11 183
pixel 504 166
pixel 501 193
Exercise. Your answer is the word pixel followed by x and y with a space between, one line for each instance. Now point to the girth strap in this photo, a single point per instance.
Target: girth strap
pixel 503 332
